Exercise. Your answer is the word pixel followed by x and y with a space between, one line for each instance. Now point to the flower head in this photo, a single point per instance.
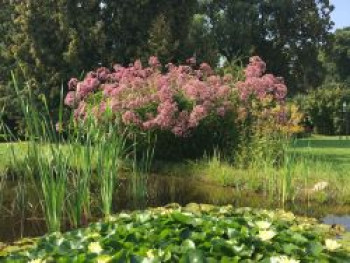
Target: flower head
pixel 266 235
pixel 263 224
pixel 153 61
pixel 283 259
pixel 37 260
pixel 95 247
pixel 72 84
pixel 332 244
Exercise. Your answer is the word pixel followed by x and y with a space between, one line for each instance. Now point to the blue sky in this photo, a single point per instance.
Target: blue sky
pixel 341 14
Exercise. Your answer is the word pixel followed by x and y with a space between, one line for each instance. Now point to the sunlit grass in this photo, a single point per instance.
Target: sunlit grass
pixel 308 162
pixel 312 160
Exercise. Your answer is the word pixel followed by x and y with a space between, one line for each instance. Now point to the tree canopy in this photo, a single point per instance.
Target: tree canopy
pixel 47 42
pixel 287 34
pixel 339 55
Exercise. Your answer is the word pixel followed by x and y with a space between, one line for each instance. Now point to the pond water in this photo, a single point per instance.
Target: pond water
pixel 338 220
pixel 28 221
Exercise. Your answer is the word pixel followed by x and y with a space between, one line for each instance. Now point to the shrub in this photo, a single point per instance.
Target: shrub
pixel 188 108
pixel 266 120
pixel 324 106
pixel 182 102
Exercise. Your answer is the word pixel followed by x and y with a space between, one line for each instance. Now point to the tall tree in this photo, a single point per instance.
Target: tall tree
pixel 160 42
pixel 9 108
pixel 286 33
pixel 51 41
pixel 202 42
pixel 338 58
pixel 129 23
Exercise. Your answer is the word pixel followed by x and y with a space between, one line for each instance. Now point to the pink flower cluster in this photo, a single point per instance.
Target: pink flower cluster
pixel 179 99
pixel 259 84
pixel 145 98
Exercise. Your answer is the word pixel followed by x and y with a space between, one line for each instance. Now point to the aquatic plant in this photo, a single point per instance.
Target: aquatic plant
pixel 195 233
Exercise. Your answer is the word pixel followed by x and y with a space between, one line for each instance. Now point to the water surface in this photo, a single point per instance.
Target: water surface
pixel 28 220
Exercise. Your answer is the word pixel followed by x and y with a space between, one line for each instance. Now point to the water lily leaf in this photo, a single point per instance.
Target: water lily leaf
pixel 220 235
pixel 165 233
pixel 222 247
pixel 230 259
pixel 142 218
pixel 289 248
pixel 232 232
pixel 182 218
pixel 120 256
pixel 298 238
pixel 188 244
pixel 315 248
pixel 199 236
pixel 193 256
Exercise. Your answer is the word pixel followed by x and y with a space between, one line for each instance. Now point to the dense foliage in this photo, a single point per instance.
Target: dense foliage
pixel 325 109
pixel 195 233
pixel 187 106
pixel 337 60
pixel 288 34
pixel 46 42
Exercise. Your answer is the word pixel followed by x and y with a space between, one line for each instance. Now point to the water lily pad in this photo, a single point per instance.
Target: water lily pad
pixel 207 234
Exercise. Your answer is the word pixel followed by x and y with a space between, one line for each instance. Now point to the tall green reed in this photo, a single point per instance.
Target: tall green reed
pixel 81 173
pixel 61 165
pixel 143 148
pixel 2 174
pixel 46 164
pixel 287 173
pixel 109 148
pixel 2 187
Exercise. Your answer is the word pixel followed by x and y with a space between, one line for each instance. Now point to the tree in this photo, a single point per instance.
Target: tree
pixel 160 42
pixel 202 41
pixel 9 108
pixel 286 33
pixel 47 42
pixel 129 26
pixel 339 56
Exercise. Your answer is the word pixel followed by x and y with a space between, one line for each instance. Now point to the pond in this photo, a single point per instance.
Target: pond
pixel 161 190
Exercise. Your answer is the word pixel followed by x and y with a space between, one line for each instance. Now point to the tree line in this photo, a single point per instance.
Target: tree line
pixel 45 42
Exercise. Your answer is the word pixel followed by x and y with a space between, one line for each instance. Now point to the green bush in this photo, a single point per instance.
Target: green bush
pixel 325 107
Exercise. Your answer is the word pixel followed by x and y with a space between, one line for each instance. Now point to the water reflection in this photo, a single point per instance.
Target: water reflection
pixel 160 191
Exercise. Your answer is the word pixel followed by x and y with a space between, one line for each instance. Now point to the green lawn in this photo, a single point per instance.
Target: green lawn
pixel 7 150
pixel 332 150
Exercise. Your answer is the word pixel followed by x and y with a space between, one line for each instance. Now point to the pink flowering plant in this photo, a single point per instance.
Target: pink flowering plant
pixel 146 99
pixel 182 104
pixel 260 93
pixel 267 120
pixel 263 100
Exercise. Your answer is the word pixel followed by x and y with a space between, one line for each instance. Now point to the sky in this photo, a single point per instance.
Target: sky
pixel 341 13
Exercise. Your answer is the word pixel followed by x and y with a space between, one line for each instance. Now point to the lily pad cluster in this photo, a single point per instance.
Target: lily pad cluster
pixel 195 233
